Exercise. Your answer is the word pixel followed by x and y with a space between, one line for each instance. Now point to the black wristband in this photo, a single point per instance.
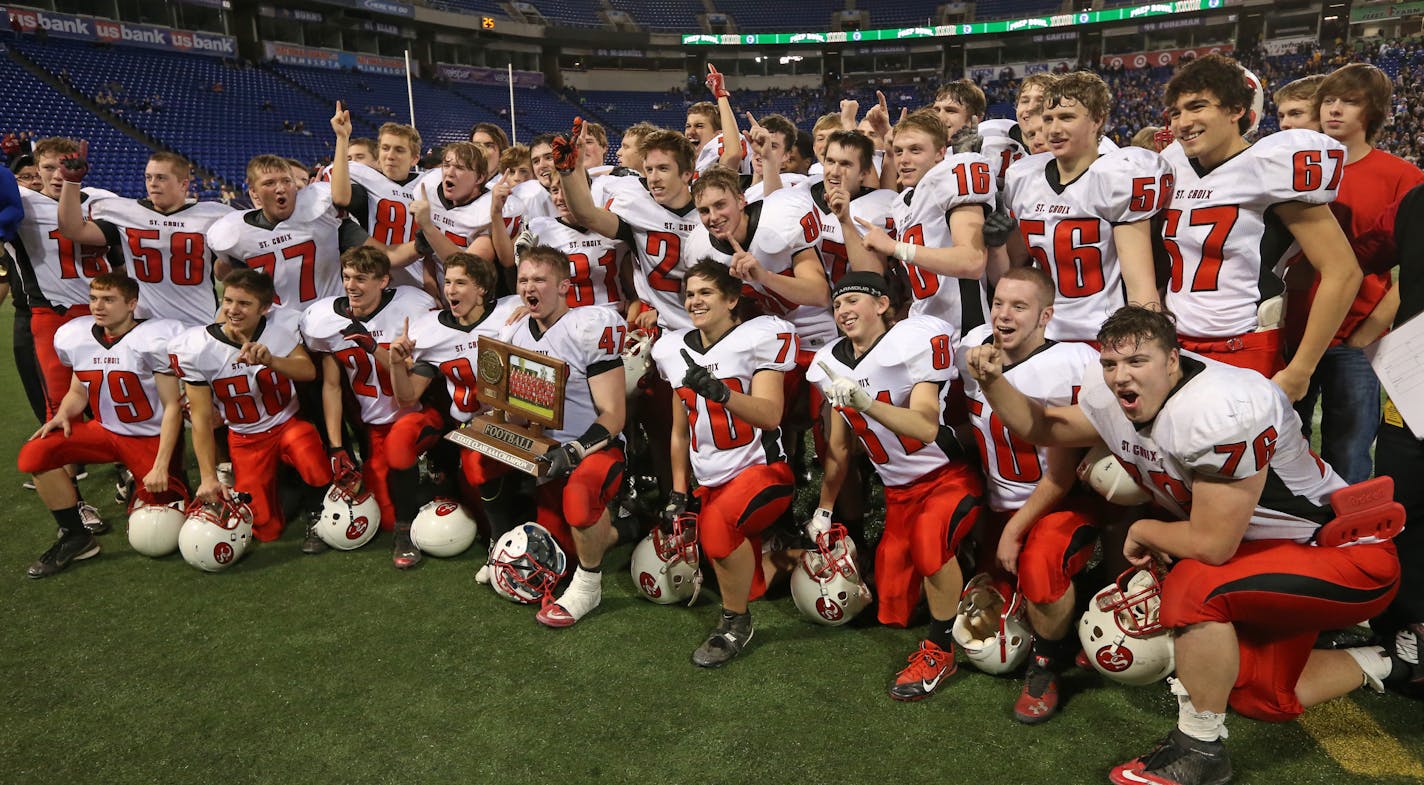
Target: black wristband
pixel 594 438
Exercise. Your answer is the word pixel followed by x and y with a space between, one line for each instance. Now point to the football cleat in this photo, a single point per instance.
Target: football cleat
pixel 1177 760
pixel 404 554
pixel 929 665
pixel 124 486
pixel 584 593
pixel 75 547
pixel 725 643
pixel 93 524
pixel 1038 701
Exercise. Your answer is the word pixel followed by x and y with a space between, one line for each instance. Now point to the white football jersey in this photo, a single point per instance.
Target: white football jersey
pixel 56 272
pixel 253 399
pixel 922 218
pixel 757 190
pixel 1221 422
pixel 445 348
pixel 463 223
pixel 167 253
pixel 590 341
pixel 536 200
pixel 711 154
pixel 724 445
pixel 329 328
pixel 875 206
pixel 382 205
pixel 656 235
pixel 119 376
pixel 1053 376
pixel 1221 236
pixel 302 253
pixel 778 228
pixel 605 187
pixel 594 261
pixel 1068 228
pixel 917 349
pixel 1002 146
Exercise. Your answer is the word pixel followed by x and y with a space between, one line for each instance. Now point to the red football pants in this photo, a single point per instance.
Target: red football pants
pixel 740 510
pixel 91 442
pixel 577 501
pixel 254 467
pixel 1280 595
pixel 925 521
pixel 44 323
pixel 1261 352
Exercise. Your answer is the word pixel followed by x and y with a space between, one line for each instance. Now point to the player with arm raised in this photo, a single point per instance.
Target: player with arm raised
pixel 56 270
pixel 246 366
pixel 772 140
pixel 1257 566
pixel 122 374
pixel 887 382
pixel 1238 211
pixel 708 124
pixel 1045 534
pixel 379 199
pixel 586 469
pixel 352 334
pixel 162 239
pixel 940 220
pixel 1085 219
pixel 726 436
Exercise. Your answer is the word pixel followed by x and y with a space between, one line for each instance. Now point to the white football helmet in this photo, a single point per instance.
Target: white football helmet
pixel 350 515
pixel 1121 633
pixel 666 566
pixel 826 584
pixel 991 631
pixel 1104 473
pixel 637 358
pixel 153 528
pixel 1258 101
pixel 442 528
pixel 215 536
pixel 526 564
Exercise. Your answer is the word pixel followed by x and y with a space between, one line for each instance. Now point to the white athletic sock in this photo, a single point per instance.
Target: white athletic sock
pixel 1200 725
pixel 1374 662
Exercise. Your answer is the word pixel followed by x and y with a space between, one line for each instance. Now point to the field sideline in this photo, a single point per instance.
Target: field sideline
pixel 340 669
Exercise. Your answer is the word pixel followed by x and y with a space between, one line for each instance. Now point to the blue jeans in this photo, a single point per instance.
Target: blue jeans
pixel 1349 397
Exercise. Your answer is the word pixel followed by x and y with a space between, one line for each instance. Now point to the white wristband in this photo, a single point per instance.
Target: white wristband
pixel 905 252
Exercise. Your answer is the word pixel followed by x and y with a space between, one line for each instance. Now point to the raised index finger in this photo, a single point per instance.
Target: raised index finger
pixel 736 246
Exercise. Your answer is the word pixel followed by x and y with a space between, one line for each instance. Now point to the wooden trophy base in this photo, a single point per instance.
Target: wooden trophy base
pixel 517 446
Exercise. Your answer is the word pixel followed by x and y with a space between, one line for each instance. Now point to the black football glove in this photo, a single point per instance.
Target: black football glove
pixel 676 505
pixel 562 460
pixel 997 226
pixel 702 382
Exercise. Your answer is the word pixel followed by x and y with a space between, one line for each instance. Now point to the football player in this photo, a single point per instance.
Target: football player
pixel 246 365
pixel 771 141
pixel 296 237
pixel 491 140
pixel 728 376
pixel 707 127
pixel 940 221
pixel 886 383
pixel 56 270
pixel 1028 108
pixel 1223 229
pixel 122 374
pixel 1044 541
pixel 162 239
pixel 534 191
pixel 593 145
pixel 655 222
pixel 352 333
pixel 959 104
pixel 27 175
pixel 600 273
pixel 586 469
pixel 1295 104
pixel 841 198
pixel 379 199
pixel 1085 218
pixel 441 344
pixel 1244 498
pixel 455 209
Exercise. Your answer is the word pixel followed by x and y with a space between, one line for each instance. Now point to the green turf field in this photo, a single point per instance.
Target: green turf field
pixel 339 669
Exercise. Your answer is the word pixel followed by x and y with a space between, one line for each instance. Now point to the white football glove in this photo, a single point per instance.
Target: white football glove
pixel 819 524
pixel 846 393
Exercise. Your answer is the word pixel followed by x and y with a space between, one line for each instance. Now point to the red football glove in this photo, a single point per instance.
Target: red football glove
pixel 566 154
pixel 73 167
pixel 343 467
pixel 1164 138
pixel 716 82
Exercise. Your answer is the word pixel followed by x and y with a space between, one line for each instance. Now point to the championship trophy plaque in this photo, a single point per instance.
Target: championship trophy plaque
pixel 525 393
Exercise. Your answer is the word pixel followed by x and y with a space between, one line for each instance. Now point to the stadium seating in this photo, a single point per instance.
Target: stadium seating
pixel 671 15
pixel 572 13
pixel 985 10
pixel 751 15
pixel 901 13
